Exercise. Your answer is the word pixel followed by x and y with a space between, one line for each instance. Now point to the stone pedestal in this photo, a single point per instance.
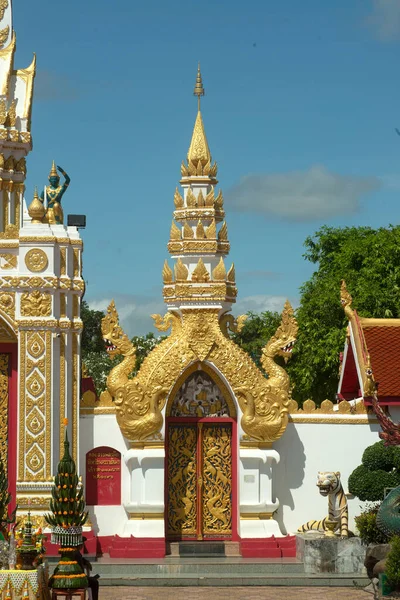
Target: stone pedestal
pixel 322 554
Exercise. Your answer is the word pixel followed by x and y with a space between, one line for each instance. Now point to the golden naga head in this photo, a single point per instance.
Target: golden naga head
pixel 281 344
pixel 346 300
pixel 116 341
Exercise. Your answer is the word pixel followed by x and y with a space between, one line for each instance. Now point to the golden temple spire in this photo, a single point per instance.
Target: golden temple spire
pixel 199 150
pixel 198 88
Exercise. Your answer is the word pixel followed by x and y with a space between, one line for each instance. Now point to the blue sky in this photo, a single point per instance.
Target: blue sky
pixel 302 101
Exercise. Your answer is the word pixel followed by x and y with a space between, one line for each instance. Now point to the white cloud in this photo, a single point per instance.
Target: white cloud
pixel 260 303
pixel 309 195
pixel 384 20
pixel 134 311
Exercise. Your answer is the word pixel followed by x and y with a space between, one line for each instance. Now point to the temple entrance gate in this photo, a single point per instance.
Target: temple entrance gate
pixel 199 503
pixel 201 494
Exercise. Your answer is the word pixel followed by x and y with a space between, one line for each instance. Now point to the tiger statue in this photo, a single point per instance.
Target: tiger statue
pixel 329 484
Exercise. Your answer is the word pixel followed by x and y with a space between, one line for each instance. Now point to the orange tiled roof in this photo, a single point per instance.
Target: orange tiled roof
pixel 383 346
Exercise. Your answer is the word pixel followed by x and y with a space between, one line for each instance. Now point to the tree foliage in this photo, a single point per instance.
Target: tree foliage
pixel 369 260
pixel 257 330
pixel 379 469
pixel 92 339
pixel 97 362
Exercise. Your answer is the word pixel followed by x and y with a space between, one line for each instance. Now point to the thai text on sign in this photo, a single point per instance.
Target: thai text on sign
pixel 103 476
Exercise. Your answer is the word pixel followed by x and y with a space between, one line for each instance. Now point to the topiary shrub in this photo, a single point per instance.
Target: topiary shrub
pixel 367 527
pixel 392 567
pixel 380 469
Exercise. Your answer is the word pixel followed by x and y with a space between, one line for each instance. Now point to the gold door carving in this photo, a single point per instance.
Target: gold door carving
pixel 217 480
pixel 182 496
pixel 199 502
pixel 4 409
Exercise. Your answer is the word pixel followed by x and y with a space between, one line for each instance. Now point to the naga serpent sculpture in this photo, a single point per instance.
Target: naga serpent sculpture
pixel 199 335
pixel 388 517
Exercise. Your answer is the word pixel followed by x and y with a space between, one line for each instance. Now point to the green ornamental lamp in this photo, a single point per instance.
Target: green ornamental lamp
pixel 66 520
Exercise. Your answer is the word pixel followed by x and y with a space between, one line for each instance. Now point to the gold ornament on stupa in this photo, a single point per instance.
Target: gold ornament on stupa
pixel 36 210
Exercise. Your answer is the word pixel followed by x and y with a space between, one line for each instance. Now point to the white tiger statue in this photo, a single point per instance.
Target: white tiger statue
pixel 329 484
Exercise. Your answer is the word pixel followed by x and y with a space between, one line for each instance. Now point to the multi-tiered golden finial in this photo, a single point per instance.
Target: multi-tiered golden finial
pixel 199 156
pixel 196 242
pixel 198 88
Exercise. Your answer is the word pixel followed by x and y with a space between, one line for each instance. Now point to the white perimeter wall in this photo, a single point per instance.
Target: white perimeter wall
pixel 307 448
pixel 304 449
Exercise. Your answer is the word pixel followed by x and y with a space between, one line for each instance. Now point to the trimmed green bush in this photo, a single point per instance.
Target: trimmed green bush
pixel 381 458
pixel 392 568
pixel 379 470
pixel 367 527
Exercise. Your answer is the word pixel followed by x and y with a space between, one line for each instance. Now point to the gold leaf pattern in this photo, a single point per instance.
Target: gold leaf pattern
pixel 3 6
pixel 231 276
pixel 209 201
pixel 219 201
pixel 200 273
pixel 4 35
pixel 167 273
pixel 191 199
pixel 35 304
pixel 178 200
pixel 199 150
pixel 12 111
pixel 217 479
pixel 188 232
pixel 200 199
pixel 175 233
pixel 4 408
pixel 219 272
pixel 3 111
pixel 181 271
pixel 200 233
pixel 182 488
pixel 211 232
pixel 184 170
pixel 223 233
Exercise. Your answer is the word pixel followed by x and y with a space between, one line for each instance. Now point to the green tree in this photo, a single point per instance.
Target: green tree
pixel 369 260
pixel 92 339
pixel 96 361
pixel 379 469
pixel 257 330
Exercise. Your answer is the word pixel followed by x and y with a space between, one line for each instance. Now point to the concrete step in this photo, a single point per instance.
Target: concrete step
pixel 197 567
pixel 211 580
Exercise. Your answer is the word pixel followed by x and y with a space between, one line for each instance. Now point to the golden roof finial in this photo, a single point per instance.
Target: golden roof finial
pixel 199 151
pixel 198 88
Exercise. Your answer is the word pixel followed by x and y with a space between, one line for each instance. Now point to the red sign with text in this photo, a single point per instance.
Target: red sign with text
pixel 103 476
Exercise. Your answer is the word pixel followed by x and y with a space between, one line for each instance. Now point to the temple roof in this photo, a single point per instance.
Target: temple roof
pixel 371 360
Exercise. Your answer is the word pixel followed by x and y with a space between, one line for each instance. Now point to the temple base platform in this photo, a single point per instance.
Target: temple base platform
pixel 226 571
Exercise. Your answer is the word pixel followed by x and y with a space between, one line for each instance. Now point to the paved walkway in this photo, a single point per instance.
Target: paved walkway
pixel 232 593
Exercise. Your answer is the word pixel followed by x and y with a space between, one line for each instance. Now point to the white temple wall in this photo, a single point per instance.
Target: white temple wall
pixel 304 449
pixel 103 430
pixel 307 448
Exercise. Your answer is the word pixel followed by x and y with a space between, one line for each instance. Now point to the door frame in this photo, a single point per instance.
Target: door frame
pixel 234 469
